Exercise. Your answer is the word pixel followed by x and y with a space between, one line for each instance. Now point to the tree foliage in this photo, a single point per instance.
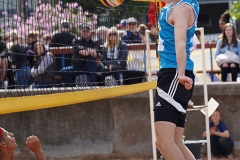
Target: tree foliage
pixel 127 9
pixel 235 10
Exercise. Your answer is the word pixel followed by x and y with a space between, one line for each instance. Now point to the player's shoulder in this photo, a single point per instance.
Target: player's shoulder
pixel 182 10
pixel 184 7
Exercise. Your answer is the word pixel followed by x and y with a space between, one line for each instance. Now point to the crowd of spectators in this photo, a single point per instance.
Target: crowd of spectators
pixel 26 60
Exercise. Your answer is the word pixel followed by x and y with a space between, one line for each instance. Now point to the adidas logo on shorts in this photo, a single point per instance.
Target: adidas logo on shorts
pixel 158 104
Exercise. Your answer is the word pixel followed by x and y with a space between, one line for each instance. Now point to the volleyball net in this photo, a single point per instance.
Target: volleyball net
pixel 55 53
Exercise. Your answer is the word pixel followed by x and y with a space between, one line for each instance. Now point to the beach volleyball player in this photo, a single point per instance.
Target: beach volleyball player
pixel 177 23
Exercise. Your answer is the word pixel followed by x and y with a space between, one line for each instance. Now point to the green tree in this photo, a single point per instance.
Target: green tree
pixel 235 10
pixel 235 13
pixel 127 9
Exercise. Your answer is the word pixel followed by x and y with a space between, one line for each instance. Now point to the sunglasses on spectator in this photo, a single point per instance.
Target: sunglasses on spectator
pixel 131 24
pixel 112 34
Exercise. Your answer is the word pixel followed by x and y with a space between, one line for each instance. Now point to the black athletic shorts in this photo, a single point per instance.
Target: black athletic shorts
pixel 171 98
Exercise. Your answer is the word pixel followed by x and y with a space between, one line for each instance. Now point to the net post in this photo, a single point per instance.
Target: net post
pixel 148 57
pixel 151 96
pixel 205 92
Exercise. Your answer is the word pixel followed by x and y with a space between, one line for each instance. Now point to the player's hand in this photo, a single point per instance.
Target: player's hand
pixel 186 81
pixel 33 143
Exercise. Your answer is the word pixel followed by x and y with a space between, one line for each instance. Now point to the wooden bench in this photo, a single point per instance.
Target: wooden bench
pixel 210 46
pixel 207 45
pixel 210 72
pixel 213 72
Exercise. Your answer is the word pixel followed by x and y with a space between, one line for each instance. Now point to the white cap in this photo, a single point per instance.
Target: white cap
pixel 131 20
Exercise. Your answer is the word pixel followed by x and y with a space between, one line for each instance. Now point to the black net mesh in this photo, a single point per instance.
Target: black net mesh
pixel 64 46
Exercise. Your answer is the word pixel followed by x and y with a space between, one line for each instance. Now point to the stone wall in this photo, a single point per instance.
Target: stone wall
pixel 116 125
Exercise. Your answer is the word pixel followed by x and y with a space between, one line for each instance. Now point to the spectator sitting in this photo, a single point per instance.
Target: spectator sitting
pixel 7 38
pixel 101 34
pixel 63 39
pixel 8 145
pixel 229 42
pixel 141 29
pixel 114 55
pixel 84 57
pixel 195 41
pixel 131 35
pixel 224 19
pixel 44 67
pixel 152 15
pixel 32 38
pixel 122 25
pixel 3 61
pixel 94 36
pixel 152 18
pixel 221 143
pixel 20 62
pixel 198 34
pixel 47 40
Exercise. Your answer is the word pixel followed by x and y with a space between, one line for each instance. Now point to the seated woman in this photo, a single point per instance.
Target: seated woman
pixel 221 143
pixel 114 56
pixel 43 71
pixel 229 42
pixel 47 40
pixel 141 29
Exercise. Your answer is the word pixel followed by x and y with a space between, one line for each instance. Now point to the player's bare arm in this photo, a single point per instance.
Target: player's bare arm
pixel 182 18
pixel 34 144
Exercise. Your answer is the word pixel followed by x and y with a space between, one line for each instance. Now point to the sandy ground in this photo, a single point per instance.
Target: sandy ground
pixel 107 157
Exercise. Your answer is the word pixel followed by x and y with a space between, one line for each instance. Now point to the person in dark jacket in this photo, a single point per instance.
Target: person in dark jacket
pixel 131 35
pixel 114 56
pixel 84 58
pixel 32 38
pixel 43 71
pixel 20 62
pixel 3 61
pixel 63 38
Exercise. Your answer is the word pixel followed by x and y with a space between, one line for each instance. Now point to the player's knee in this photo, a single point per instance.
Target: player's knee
pixel 178 142
pixel 162 143
pixel 159 143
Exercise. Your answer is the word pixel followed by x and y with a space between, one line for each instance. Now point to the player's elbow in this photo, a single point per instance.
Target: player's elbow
pixel 181 47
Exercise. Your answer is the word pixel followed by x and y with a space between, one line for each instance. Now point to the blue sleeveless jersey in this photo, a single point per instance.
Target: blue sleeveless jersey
pixel 166 45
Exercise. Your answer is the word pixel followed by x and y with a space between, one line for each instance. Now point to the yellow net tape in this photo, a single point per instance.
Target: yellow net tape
pixel 20 104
